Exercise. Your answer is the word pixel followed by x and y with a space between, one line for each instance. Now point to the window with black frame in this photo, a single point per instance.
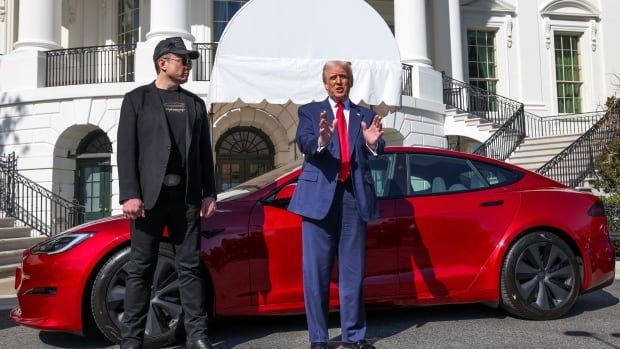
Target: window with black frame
pixel 481 63
pixel 436 174
pixel 223 11
pixel 568 73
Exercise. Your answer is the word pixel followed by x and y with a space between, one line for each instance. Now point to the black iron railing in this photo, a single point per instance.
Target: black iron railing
pixel 577 161
pixel 506 139
pixel 90 65
pixel 537 126
pixel 204 64
pixel 494 109
pixel 33 205
pixel 407 87
pixel 474 100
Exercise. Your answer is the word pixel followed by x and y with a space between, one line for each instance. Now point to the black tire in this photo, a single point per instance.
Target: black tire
pixel 165 318
pixel 540 277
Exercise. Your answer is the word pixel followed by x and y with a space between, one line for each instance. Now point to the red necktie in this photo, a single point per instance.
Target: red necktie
pixel 343 136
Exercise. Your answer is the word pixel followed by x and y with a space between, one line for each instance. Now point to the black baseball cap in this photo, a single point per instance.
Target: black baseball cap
pixel 173 45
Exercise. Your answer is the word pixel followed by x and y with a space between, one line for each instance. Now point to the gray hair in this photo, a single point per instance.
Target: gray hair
pixel 344 64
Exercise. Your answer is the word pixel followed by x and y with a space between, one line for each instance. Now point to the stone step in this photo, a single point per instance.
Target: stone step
pixel 7 270
pixel 555 145
pixel 474 121
pixel 7 222
pixel 15 232
pixel 11 257
pixel 520 160
pixel 552 140
pixel 528 153
pixel 19 243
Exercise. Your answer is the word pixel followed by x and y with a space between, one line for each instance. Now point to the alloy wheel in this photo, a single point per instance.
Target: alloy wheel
pixel 544 276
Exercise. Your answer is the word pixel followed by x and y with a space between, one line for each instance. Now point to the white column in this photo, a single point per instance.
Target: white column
pixel 410 31
pixel 39 25
pixel 456 48
pixel 166 20
pixel 170 20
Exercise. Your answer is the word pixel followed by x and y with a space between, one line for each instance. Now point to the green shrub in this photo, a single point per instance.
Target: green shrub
pixel 612 209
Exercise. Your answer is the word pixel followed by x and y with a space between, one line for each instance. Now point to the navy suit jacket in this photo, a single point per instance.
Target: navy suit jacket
pixel 316 186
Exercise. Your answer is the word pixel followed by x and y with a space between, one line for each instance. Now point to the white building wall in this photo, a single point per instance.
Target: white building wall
pixel 44 125
pixel 609 34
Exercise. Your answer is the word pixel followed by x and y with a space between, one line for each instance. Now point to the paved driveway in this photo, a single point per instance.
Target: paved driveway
pixel 594 322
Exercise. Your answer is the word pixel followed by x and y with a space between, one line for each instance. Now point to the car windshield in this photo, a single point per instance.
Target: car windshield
pixel 257 183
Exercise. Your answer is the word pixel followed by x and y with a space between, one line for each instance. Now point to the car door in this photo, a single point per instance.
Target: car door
pixel 452 220
pixel 276 273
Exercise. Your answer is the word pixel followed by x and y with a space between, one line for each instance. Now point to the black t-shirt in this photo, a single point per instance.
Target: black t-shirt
pixel 176 113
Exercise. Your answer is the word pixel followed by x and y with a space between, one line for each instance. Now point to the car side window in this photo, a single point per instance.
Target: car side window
pixel 496 175
pixel 382 168
pixel 436 174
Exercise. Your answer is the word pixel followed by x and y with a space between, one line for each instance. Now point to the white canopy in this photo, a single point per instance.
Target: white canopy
pixel 274 51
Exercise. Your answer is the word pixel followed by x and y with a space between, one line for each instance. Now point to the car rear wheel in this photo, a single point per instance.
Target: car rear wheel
pixel 164 321
pixel 540 277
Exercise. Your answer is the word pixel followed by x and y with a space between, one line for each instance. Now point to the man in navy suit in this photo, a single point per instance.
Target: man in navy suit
pixel 336 197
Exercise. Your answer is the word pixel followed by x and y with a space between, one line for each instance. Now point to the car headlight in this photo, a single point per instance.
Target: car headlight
pixel 60 243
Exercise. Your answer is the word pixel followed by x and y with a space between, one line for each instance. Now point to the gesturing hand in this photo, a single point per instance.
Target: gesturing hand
pixel 373 133
pixel 325 129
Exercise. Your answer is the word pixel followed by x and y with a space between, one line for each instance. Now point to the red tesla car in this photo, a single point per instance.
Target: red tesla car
pixel 453 228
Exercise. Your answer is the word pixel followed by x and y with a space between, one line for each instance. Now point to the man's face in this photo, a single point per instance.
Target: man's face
pixel 177 67
pixel 337 83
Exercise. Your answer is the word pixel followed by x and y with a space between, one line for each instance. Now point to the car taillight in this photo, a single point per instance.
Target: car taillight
pixel 597 210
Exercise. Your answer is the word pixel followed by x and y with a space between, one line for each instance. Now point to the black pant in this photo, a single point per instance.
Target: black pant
pixel 183 224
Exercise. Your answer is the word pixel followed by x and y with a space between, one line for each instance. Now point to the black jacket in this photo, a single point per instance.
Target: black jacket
pixel 144 146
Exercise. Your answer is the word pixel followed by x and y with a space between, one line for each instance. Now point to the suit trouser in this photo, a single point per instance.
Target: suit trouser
pixel 342 231
pixel 183 224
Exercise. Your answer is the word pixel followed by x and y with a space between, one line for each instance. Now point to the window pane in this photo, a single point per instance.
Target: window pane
pixel 567 70
pixel 380 168
pixel 471 38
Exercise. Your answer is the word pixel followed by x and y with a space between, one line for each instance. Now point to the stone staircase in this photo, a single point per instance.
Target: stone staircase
pixel 535 152
pixel 13 241
pixel 477 128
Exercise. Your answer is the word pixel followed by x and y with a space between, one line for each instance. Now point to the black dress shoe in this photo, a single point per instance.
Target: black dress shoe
pixel 202 343
pixel 362 344
pixel 318 345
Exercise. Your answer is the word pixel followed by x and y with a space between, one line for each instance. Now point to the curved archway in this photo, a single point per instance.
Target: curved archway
pixel 242 153
pixel 82 168
pixel 280 129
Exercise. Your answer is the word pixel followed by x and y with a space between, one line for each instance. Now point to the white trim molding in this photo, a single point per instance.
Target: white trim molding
pixel 509 26
pixel 496 7
pixel 570 9
pixel 2 10
pixel 583 29
pixel 593 32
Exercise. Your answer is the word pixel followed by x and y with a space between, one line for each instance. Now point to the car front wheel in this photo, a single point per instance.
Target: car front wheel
pixel 540 277
pixel 164 321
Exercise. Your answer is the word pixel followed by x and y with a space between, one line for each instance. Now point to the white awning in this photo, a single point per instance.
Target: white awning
pixel 274 51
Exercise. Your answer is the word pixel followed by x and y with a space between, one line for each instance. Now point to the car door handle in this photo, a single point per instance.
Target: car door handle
pixel 492 203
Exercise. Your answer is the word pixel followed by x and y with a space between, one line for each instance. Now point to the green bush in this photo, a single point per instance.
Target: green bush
pixel 608 168
pixel 612 209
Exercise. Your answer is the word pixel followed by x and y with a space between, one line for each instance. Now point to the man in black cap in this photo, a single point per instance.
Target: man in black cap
pixel 166 179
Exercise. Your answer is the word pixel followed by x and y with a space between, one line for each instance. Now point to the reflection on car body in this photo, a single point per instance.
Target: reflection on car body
pixel 453 228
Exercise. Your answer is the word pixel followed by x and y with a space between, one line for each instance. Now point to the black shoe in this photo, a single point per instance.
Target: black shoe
pixel 202 343
pixel 318 345
pixel 362 344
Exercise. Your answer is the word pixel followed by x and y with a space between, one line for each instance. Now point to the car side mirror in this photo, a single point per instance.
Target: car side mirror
pixel 286 193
